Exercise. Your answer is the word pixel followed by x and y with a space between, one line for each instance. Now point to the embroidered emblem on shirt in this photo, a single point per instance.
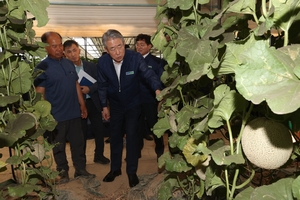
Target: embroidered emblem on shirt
pixel 130 73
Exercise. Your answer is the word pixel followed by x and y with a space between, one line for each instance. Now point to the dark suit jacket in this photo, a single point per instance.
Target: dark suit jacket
pixel 91 69
pixel 125 94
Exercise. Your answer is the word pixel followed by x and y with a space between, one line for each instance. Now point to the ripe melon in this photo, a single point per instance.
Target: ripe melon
pixel 266 143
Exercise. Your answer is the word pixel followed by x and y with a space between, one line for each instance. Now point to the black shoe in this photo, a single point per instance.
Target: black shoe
pixel 101 160
pixel 63 177
pixel 133 180
pixel 110 177
pixel 107 140
pixel 148 137
pixel 84 173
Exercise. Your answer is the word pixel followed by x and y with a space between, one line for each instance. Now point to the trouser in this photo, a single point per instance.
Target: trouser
pixel 95 117
pixel 70 131
pixel 127 120
pixel 147 121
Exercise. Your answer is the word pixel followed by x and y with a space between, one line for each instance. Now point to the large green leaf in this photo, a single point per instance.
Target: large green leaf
pixel 281 189
pixel 265 73
pixel 21 79
pixel 16 128
pixel 38 9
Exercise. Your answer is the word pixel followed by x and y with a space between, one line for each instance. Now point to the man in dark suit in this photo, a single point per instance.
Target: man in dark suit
pixel 119 73
pixel 92 101
pixel 149 103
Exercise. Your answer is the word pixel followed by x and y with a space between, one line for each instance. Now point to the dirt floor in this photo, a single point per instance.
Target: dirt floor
pixel 95 188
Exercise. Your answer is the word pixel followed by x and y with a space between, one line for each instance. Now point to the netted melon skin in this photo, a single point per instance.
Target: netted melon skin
pixel 266 143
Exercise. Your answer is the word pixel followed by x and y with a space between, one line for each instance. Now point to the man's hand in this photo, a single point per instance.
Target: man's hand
pixel 105 113
pixel 157 92
pixel 84 112
pixel 85 89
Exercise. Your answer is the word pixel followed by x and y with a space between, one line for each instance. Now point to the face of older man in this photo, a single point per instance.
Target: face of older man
pixel 116 49
pixel 55 48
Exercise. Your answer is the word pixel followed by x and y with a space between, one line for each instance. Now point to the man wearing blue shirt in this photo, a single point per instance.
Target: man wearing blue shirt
pixel 58 84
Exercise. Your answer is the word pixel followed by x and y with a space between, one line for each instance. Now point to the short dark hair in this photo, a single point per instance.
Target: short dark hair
pixel 69 43
pixel 145 37
pixel 45 36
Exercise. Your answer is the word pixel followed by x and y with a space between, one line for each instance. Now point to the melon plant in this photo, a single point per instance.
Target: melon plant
pixel 38 151
pixel 266 143
pixel 252 48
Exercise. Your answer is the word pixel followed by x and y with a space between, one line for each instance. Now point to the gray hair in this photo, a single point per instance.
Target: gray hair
pixel 111 34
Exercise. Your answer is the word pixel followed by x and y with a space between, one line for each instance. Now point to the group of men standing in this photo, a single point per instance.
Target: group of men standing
pixel 124 93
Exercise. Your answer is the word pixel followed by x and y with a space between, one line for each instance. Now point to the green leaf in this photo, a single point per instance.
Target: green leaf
pixel 281 189
pixel 195 154
pixel 220 158
pixel 226 102
pixel 183 118
pixel 176 140
pixel 166 189
pixel 38 9
pixel 293 51
pixel 285 12
pixel 161 127
pixel 212 181
pixel 296 188
pixel 177 164
pixel 265 73
pixel 21 79
pixel 245 194
pixel 242 6
pixel 182 4
pixel 43 108
pixel 48 123
pixel 5 100
pixel 22 190
pixel 16 128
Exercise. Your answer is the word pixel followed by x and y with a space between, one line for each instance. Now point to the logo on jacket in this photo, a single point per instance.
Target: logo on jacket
pixel 130 73
pixel 149 66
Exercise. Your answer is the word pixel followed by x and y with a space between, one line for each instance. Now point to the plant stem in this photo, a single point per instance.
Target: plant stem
pixel 245 119
pixel 181 95
pixel 236 174
pixel 230 137
pixel 247 181
pixel 227 184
